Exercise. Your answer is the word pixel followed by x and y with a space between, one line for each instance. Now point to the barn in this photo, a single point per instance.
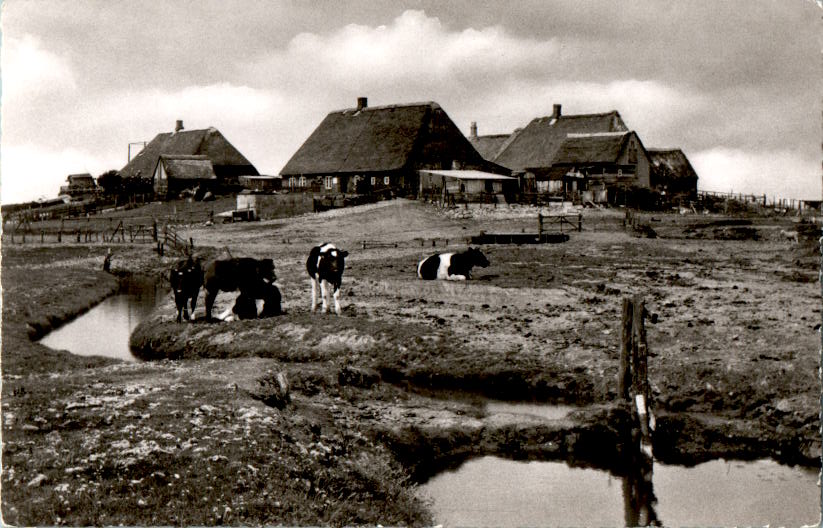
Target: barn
pixel 673 175
pixel 176 173
pixel 79 186
pixel 379 150
pixel 227 162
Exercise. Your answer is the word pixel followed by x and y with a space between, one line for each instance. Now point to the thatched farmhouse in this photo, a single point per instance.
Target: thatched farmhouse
pixel 228 164
pixel 531 152
pixel 380 149
pixel 177 173
pixel 672 174
pixel 600 167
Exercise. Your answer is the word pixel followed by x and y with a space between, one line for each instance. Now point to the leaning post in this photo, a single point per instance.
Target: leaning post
pixel 624 373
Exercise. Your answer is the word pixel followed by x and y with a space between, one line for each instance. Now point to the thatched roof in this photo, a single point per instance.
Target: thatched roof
pixel 489 146
pixel 379 138
pixel 206 142
pixel 591 148
pixel 80 179
pixel 536 145
pixel 671 164
pixel 179 167
pixel 384 139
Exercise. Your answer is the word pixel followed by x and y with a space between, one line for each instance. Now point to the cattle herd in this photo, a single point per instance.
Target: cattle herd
pixel 260 297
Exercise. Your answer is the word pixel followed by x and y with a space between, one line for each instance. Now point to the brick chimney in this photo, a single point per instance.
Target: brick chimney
pixel 473 130
pixel 362 102
pixel 556 112
pixel 178 126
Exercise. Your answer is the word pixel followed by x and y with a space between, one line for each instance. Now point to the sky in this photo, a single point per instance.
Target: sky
pixel 735 84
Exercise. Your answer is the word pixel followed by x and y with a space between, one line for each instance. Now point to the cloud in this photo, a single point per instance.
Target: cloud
pixel 31 172
pixel 781 173
pixel 30 71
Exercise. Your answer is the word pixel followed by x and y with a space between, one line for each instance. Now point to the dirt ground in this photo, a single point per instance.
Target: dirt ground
pixel 733 366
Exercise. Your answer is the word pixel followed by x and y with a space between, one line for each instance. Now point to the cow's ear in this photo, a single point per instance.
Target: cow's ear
pixel 344 253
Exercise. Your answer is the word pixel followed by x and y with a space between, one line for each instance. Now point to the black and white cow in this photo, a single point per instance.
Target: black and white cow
pixel 325 266
pixel 451 266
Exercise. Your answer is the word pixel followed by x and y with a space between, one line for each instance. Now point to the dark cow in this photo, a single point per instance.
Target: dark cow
pixel 451 266
pixel 245 306
pixel 253 277
pixel 186 277
pixel 325 266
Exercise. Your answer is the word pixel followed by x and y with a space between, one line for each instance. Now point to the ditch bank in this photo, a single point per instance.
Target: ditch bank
pixel 426 435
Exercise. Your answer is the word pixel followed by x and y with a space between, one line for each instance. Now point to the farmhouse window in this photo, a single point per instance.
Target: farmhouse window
pixel 328 182
pixel 619 172
pixel 302 181
pixel 374 180
pixel 386 180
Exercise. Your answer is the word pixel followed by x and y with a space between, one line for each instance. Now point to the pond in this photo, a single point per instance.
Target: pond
pixel 105 329
pixel 492 491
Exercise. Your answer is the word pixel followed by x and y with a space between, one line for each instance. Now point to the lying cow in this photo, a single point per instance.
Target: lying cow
pixel 186 277
pixel 325 266
pixel 451 266
pixel 253 277
pixel 246 305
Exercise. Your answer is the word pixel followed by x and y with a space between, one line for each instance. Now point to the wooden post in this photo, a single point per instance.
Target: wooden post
pixel 579 222
pixel 539 226
pixel 624 373
pixel 42 235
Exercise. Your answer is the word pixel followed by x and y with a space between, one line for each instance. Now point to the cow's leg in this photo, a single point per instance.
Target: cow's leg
pixel 313 294
pixel 193 304
pixel 336 300
pixel 323 295
pixel 210 297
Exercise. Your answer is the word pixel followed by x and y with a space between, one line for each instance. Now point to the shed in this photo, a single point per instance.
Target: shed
pixel 262 183
pixel 672 174
pixel 176 173
pixel 467 186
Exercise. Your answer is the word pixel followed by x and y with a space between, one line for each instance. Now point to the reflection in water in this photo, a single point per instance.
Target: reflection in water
pixel 105 329
pixel 492 491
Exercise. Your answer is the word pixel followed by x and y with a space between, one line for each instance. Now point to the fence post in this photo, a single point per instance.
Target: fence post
pixel 624 373
pixel 539 226
pixel 579 222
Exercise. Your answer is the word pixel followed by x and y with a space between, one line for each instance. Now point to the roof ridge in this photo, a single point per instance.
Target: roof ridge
pixel 432 104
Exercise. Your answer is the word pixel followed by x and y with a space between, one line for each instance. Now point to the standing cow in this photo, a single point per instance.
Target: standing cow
pixel 186 277
pixel 451 266
pixel 325 266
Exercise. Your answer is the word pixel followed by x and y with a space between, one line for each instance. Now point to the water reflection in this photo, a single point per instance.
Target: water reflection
pixel 492 491
pixel 105 329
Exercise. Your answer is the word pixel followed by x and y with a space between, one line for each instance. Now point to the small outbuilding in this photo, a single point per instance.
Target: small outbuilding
pixel 79 186
pixel 177 173
pixel 461 186
pixel 672 174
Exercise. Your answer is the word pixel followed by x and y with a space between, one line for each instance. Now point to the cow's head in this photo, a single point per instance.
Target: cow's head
pixel 332 261
pixel 477 258
pixel 265 270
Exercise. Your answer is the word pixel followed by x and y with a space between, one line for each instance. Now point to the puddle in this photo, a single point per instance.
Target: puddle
pixel 105 329
pixel 535 410
pixel 492 491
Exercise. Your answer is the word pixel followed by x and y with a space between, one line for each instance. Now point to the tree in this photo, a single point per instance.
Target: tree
pixel 111 182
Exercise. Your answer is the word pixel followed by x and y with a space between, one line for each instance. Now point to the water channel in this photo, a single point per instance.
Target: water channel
pixel 105 329
pixel 492 491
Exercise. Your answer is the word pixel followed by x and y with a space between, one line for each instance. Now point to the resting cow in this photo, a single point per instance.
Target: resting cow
pixel 325 266
pixel 451 266
pixel 245 306
pixel 253 277
pixel 186 277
